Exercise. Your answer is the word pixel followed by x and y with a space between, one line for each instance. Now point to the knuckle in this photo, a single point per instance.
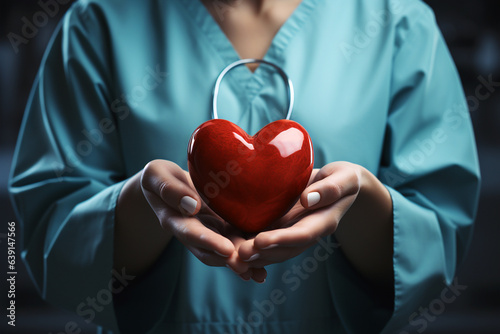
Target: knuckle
pixel 165 189
pixel 169 223
pixel 152 173
pixel 306 236
pixel 147 174
pixel 151 167
pixel 324 172
pixel 338 190
pixel 179 229
pixel 184 232
pixel 334 188
pixel 330 168
pixel 357 176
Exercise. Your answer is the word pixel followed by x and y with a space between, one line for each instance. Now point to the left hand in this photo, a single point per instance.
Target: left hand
pixel 337 185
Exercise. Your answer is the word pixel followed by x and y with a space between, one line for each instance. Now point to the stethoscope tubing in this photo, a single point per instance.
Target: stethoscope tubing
pixel 286 79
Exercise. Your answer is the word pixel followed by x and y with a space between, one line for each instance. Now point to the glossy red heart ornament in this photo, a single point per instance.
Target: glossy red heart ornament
pixel 250 181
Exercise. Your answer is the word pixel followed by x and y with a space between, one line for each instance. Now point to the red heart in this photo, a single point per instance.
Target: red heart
pixel 250 181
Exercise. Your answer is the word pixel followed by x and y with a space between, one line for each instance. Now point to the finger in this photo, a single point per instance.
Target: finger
pixel 305 232
pixel 257 258
pixel 235 262
pixel 208 245
pixel 235 235
pixel 212 222
pixel 259 275
pixel 293 236
pixel 247 252
pixel 278 256
pixel 193 233
pixel 207 257
pixel 332 184
pixel 206 210
pixel 246 276
pixel 283 244
pixel 218 234
pixel 169 182
pixel 236 265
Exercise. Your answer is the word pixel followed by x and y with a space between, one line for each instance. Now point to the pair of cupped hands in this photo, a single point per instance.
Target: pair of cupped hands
pixel 180 210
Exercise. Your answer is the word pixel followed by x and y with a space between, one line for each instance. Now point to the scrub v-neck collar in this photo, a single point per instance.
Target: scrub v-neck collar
pixel 250 82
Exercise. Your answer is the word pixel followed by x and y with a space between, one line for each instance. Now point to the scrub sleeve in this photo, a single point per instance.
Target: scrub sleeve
pixel 65 188
pixel 430 168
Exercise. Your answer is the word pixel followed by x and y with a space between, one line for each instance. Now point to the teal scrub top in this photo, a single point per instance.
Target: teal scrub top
pixel 126 82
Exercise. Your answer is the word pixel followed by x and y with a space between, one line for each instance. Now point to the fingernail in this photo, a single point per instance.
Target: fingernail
pixel 253 257
pixel 271 246
pixel 264 281
pixel 216 252
pixel 189 204
pixel 313 198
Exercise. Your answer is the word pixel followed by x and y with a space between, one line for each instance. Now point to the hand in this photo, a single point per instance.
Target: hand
pixel 180 210
pixel 330 193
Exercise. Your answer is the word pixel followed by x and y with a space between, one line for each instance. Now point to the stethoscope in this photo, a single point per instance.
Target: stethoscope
pixel 284 76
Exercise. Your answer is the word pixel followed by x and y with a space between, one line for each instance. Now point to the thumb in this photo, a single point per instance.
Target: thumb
pixel 330 188
pixel 171 186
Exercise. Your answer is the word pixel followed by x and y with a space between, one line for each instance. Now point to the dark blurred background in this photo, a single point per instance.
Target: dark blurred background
pixel 472 31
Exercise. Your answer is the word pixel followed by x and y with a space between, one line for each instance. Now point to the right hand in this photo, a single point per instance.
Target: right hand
pixel 180 210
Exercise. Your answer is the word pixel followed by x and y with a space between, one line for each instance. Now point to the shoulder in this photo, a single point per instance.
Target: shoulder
pixel 411 9
pixel 404 20
pixel 107 20
pixel 387 21
pixel 411 19
pixel 113 11
pixel 394 13
pixel 385 25
pixel 121 6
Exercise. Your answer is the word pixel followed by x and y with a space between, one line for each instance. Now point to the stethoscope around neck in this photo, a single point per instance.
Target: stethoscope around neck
pixel 284 76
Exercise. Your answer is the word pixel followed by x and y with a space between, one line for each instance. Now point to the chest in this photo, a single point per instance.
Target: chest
pixel 343 106
pixel 250 26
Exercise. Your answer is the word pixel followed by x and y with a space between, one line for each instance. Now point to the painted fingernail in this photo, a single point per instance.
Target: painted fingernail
pixel 216 252
pixel 313 198
pixel 271 246
pixel 253 257
pixel 189 204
